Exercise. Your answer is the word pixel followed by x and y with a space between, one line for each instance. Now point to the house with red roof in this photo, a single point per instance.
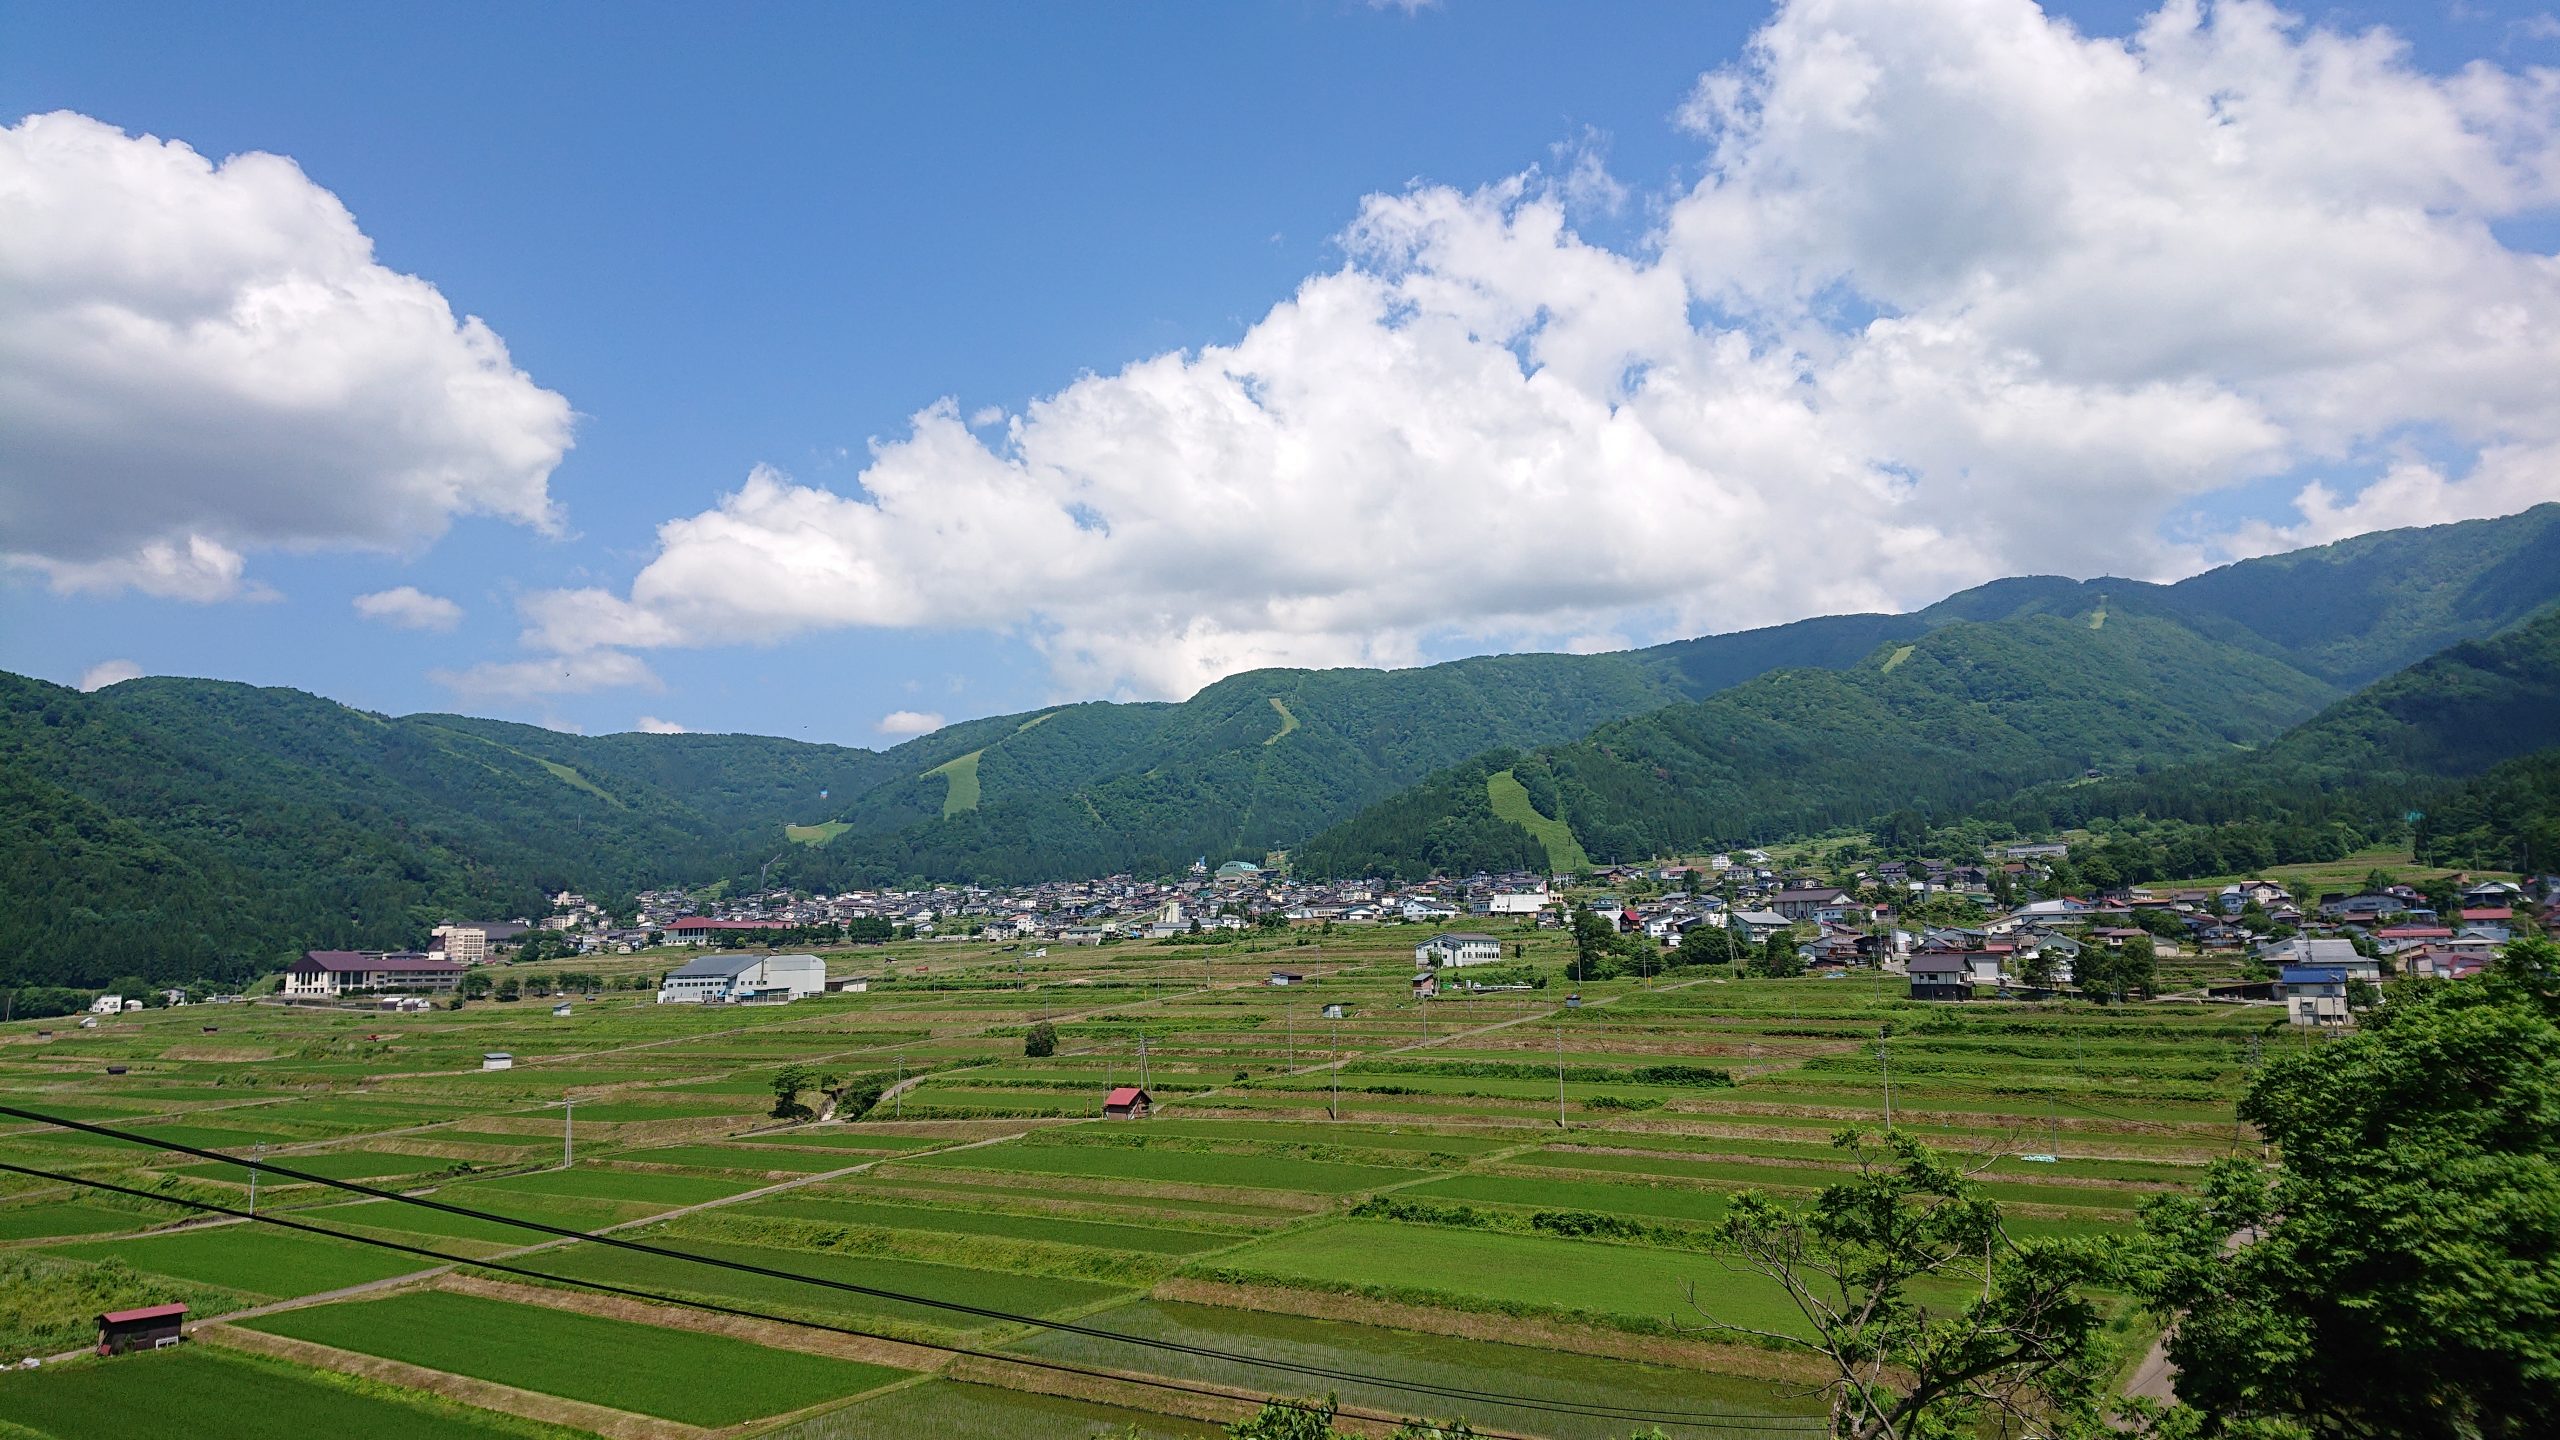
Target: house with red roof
pixel 150 1327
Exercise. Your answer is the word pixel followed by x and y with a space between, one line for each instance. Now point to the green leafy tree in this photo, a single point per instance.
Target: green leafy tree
pixel 2396 1277
pixel 1932 1320
pixel 1778 959
pixel 2111 973
pixel 1040 1041
pixel 788 1082
pixel 1594 937
pixel 1705 943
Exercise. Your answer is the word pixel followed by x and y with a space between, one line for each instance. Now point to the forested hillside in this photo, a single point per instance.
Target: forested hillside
pixel 2355 771
pixel 1265 760
pixel 183 828
pixel 1969 711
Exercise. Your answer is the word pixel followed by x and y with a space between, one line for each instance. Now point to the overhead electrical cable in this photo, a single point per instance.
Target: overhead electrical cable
pixel 1773 1421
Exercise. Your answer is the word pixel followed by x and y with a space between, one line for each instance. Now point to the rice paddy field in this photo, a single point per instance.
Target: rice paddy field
pixel 1494 1206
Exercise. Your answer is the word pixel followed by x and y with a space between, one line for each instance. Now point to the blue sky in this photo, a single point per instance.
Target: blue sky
pixel 738 236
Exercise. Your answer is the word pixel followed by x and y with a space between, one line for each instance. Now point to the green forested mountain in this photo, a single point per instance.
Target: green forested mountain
pixel 2505 818
pixel 176 828
pixel 2365 762
pixel 1966 712
pixel 2166 723
pixel 1265 760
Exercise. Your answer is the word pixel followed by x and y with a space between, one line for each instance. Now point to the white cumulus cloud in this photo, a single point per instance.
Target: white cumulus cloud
pixel 910 722
pixel 410 608
pixel 1963 292
pixel 652 725
pixel 108 672
pixel 199 361
pixel 578 673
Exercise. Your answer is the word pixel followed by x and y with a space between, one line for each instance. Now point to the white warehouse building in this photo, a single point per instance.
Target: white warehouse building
pixel 1457 949
pixel 743 980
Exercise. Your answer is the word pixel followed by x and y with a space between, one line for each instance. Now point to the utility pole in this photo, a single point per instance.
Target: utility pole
pixel 257 1153
pixel 1884 1039
pixel 1560 1070
pixel 1333 1111
pixel 1142 1060
pixel 568 1130
pixel 898 1092
pixel 1292 1017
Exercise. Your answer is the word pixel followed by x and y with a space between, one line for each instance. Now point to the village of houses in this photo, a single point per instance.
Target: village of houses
pixel 2316 956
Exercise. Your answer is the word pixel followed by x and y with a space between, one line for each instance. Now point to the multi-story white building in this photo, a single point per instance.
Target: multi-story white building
pixel 1450 950
pixel 465 944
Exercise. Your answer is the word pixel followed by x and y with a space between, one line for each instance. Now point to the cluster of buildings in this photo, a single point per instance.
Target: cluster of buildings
pixel 2033 946
pixel 1087 912
pixel 2397 931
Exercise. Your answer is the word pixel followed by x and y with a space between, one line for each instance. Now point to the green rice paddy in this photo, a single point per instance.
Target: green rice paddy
pixel 672 1374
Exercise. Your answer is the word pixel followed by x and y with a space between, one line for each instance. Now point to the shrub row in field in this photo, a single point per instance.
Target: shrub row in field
pixel 979 1252
pixel 1918 1063
pixel 1568 1224
pixel 1696 1077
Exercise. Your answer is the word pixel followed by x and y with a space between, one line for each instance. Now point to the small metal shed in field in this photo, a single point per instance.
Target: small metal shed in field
pixel 148 1328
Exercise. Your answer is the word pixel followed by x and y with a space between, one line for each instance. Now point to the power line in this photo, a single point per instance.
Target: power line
pixel 1712 1420
pixel 658 1297
pixel 661 1297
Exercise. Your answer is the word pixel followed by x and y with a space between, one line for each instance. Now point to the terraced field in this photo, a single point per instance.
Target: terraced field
pixel 1383 1195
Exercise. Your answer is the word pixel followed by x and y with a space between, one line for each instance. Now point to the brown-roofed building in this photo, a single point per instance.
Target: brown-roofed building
pixel 328 974
pixel 1126 1103
pixel 147 1328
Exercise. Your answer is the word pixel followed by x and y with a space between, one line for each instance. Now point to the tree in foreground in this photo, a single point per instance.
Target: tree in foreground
pixel 2400 1275
pixel 1933 1320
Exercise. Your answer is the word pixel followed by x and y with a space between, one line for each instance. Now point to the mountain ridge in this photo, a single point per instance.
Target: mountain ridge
pixel 190 828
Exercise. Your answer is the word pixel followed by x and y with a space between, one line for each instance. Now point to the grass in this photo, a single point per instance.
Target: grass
pixel 336 1165
pixel 1897 657
pixel 1023 1294
pixel 1511 802
pixel 1353 1137
pixel 1094 1233
pixel 679 1375
pixel 433 1226
pixel 818 834
pixel 1392 1355
pixel 1624 1284
pixel 842 1137
pixel 756 1160
pixel 37 1222
pixel 962 774
pixel 955 1407
pixel 1288 722
pixel 1174 1167
pixel 1640 1202
pixel 249 1260
pixel 606 1185
pixel 209 1394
